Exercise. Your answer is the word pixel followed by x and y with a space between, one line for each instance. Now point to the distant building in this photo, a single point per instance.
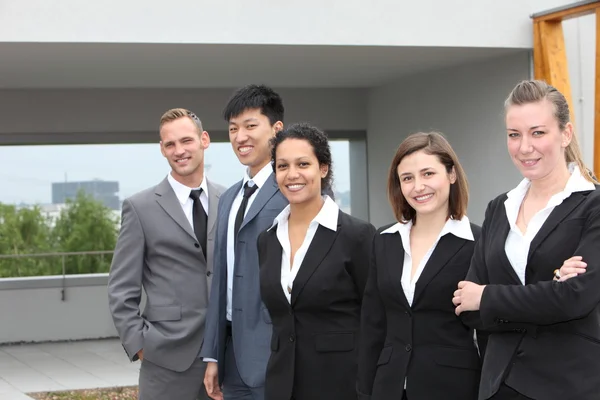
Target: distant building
pixel 104 191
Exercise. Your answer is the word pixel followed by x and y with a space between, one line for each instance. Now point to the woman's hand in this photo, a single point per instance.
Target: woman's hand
pixel 467 297
pixel 570 268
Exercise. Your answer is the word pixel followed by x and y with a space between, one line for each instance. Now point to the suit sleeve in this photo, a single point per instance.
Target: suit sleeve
pixel 549 302
pixel 478 274
pixel 210 346
pixel 373 328
pixel 478 270
pixel 359 268
pixel 125 281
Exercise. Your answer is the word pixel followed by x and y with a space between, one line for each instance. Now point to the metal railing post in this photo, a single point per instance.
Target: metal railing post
pixel 64 279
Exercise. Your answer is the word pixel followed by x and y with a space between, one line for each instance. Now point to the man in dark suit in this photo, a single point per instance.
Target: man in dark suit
pixel 165 247
pixel 238 328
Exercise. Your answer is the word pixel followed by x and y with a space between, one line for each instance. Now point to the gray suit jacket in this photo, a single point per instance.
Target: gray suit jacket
pixel 251 323
pixel 157 250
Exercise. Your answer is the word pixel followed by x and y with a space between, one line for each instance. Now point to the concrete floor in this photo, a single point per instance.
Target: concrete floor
pixel 45 367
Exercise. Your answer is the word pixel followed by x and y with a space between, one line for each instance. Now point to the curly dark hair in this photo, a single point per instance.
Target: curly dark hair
pixel 318 141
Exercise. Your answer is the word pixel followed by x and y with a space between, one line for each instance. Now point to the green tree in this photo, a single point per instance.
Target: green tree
pixel 24 231
pixel 85 225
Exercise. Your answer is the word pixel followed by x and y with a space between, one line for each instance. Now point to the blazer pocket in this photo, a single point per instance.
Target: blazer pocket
pixel 588 338
pixel 331 342
pixel 163 313
pixel 266 315
pixel 385 355
pixel 275 342
pixel 457 358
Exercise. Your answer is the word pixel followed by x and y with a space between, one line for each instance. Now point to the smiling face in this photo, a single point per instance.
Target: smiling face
pixel 536 143
pixel 425 183
pixel 298 172
pixel 249 134
pixel 183 147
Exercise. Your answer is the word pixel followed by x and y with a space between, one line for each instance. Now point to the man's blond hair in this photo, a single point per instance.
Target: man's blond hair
pixel 176 113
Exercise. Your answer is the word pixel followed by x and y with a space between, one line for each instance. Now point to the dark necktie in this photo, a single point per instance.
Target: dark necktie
pixel 200 219
pixel 239 218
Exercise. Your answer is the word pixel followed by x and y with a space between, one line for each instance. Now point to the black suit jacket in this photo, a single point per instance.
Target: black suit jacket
pixel 426 343
pixel 313 347
pixel 545 335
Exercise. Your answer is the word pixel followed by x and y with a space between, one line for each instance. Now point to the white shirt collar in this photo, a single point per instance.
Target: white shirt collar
pixel 183 192
pixel 327 216
pixel 260 178
pixel 460 228
pixel 576 183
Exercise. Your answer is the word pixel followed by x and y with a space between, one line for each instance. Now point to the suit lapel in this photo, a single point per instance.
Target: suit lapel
pixel 556 216
pixel 446 248
pixel 213 205
pixel 393 263
pixel 499 235
pixel 262 197
pixel 318 249
pixel 166 198
pixel 228 199
pixel 273 264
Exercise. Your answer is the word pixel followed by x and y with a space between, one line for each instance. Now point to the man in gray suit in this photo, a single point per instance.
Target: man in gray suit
pixel 238 326
pixel 166 247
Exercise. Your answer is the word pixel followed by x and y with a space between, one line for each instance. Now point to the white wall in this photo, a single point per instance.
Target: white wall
pixel 482 23
pixel 105 110
pixel 580 43
pixel 466 104
pixel 31 309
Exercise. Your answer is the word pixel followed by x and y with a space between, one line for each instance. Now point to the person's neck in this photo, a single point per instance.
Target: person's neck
pixel 553 183
pixel 192 181
pixel 252 171
pixel 304 213
pixel 430 223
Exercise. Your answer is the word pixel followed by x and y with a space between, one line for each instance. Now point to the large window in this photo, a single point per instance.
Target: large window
pixel 58 202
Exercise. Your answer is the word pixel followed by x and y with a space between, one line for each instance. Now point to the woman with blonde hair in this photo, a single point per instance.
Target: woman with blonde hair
pixel 544 340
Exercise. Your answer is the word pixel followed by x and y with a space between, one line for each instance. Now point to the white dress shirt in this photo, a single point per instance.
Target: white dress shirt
pixel 259 180
pixel 517 244
pixel 183 195
pixel 327 218
pixel 459 228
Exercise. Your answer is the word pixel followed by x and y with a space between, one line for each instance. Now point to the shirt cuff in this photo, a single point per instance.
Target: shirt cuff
pixel 206 359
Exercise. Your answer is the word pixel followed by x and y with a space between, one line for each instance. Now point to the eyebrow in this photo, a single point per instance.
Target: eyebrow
pixel 533 127
pixel 244 121
pixel 422 170
pixel 179 140
pixel 303 158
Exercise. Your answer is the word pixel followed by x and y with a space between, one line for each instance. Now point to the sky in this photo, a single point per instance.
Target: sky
pixel 27 172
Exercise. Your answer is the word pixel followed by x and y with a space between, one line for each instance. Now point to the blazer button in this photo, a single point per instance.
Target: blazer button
pixel 292 337
pixel 208 273
pixel 196 245
pixel 408 347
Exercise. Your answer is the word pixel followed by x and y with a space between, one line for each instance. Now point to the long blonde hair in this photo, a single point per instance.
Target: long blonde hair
pixel 535 91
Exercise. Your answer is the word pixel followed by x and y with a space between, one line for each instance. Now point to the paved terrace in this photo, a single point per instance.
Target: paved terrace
pixel 45 367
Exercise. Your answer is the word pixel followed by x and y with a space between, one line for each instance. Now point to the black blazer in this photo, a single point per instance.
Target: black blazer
pixel 313 347
pixel 544 337
pixel 426 343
